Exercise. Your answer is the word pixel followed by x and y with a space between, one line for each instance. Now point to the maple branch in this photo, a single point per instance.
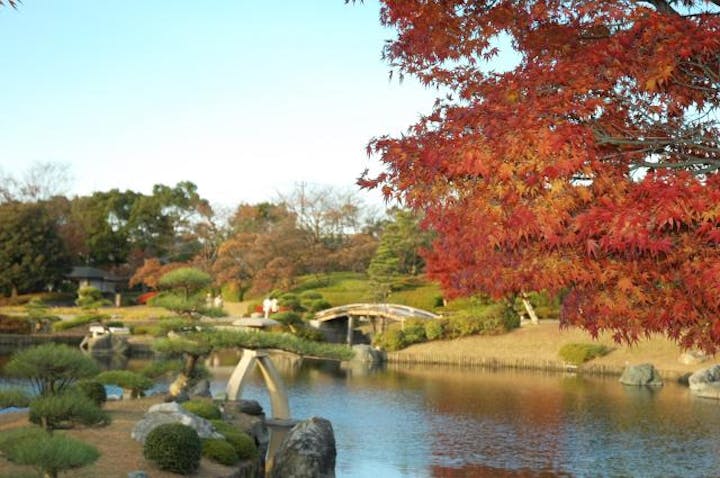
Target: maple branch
pixel 662 6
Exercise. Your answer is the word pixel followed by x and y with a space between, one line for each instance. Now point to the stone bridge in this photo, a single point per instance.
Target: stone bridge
pixel 338 323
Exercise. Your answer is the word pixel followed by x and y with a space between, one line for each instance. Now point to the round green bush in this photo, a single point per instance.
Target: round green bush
pixel 174 447
pixel 434 329
pixel 291 302
pixel 243 444
pixel 390 340
pixel 310 295
pixel 318 305
pixel 578 354
pixel 414 332
pixel 95 391
pixel 219 451
pixel 203 408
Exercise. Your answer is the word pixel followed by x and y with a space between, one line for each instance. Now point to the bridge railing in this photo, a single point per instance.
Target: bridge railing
pixel 391 311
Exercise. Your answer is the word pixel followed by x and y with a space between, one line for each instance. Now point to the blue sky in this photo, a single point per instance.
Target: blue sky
pixel 244 98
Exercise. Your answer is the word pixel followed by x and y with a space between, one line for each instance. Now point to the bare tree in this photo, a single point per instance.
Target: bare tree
pixel 41 181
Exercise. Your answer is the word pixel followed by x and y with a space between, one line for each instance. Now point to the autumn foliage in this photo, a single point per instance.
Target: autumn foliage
pixel 589 168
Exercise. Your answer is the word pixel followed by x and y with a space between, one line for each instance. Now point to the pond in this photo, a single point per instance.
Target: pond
pixel 404 421
pixel 450 422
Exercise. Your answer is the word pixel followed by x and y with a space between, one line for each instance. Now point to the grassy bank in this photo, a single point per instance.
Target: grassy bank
pixel 537 346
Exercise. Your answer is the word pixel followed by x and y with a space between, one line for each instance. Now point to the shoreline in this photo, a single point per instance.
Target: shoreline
pixel 535 347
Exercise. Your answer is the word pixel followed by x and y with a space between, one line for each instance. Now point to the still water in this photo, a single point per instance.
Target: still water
pixel 404 421
pixel 452 422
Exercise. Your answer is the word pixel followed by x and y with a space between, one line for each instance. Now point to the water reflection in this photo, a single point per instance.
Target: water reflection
pixel 404 421
pixel 448 422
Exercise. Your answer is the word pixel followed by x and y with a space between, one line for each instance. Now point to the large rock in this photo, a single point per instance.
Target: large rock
pixel 201 388
pixel 367 354
pixel 706 383
pixel 248 416
pixel 107 344
pixel 693 357
pixel 640 375
pixel 172 413
pixel 308 451
pixel 249 407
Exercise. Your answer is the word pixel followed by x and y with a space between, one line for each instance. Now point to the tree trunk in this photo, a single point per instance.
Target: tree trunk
pixel 529 308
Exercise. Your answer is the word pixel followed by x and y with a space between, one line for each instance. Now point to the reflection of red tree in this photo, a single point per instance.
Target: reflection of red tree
pixel 523 401
pixel 480 471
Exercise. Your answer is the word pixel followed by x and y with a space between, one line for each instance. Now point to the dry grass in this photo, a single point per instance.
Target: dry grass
pixel 120 454
pixel 543 341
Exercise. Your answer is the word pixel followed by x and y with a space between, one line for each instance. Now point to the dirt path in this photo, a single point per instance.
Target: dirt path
pixel 119 453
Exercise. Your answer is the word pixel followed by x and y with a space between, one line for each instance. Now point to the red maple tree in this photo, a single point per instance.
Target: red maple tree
pixel 590 169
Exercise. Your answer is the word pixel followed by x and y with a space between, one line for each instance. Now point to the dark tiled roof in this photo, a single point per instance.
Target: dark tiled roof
pixel 84 272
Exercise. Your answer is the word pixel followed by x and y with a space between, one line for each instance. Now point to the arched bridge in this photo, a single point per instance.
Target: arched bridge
pixel 338 323
pixel 389 311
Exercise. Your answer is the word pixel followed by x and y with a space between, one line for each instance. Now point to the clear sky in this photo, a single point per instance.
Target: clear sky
pixel 245 98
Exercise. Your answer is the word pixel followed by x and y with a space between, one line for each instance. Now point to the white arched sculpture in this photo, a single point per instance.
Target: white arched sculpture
pixel 273 382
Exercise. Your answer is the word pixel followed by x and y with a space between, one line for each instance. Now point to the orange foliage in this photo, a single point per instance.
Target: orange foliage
pixel 151 271
pixel 589 169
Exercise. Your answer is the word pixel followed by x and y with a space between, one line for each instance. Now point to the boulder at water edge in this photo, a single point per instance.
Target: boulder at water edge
pixel 640 375
pixel 706 383
pixel 308 451
pixel 108 344
pixel 172 412
pixel 367 354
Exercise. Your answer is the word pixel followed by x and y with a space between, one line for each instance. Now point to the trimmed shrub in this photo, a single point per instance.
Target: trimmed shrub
pixel 174 324
pixel 308 333
pixel 78 321
pixel 90 298
pixel 578 354
pixel 12 437
pixel 95 391
pixel 219 451
pixel 52 454
pixel 414 332
pixel 391 340
pixel 243 443
pixel 68 408
pixel 202 408
pixel 158 368
pixel 174 447
pixel 310 295
pixel 318 305
pixel 434 329
pixel 287 318
pixel 178 304
pixel 464 323
pixel 14 397
pixel 133 381
pixel 214 312
pixel 290 301
pixel 51 368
